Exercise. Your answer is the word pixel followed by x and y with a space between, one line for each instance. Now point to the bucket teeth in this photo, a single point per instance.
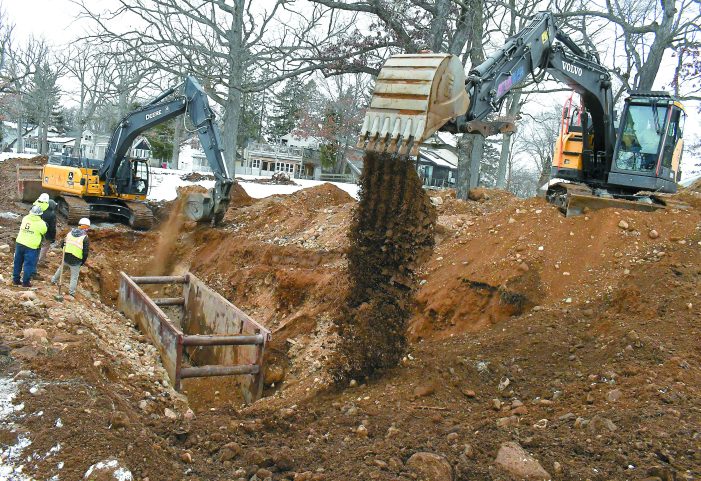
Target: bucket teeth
pixel 414 96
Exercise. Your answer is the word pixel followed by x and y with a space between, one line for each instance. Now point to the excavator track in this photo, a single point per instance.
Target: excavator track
pixel 73 208
pixel 141 215
pixel 577 199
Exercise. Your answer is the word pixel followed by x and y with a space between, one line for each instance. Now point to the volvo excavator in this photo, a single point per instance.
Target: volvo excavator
pixel 117 187
pixel 596 165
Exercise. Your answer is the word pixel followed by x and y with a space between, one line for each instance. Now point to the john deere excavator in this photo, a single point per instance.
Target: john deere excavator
pixel 597 165
pixel 117 187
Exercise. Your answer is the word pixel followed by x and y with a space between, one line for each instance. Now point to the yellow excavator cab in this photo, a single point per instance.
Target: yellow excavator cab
pixel 415 95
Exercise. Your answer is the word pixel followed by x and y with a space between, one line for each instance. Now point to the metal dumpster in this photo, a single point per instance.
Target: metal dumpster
pixel 212 337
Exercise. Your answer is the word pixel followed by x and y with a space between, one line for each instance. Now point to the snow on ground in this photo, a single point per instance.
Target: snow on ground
pixel 11 155
pixel 165 182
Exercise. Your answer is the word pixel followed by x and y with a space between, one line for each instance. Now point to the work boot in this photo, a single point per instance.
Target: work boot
pixel 16 282
pixel 27 284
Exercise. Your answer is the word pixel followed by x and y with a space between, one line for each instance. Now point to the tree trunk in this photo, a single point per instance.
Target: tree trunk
pixel 513 108
pixel 234 101
pixel 78 142
pixel 651 66
pixel 464 148
pixel 177 137
pixel 19 143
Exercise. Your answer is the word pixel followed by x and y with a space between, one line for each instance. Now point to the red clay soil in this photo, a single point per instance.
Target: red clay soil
pixel 584 352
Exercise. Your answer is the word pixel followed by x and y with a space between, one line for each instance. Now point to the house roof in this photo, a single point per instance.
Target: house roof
pixel 439 157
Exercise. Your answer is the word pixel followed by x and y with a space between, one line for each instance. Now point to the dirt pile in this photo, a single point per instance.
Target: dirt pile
pixel 391 236
pixel 196 177
pixel 163 255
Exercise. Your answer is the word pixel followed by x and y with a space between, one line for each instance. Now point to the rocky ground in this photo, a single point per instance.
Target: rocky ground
pixel 541 347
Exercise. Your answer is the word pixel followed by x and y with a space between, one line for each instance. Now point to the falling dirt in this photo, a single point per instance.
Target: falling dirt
pixel 391 236
pixel 164 260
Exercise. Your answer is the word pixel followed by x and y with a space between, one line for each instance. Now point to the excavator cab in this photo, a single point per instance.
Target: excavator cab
pixel 647 154
pixel 133 177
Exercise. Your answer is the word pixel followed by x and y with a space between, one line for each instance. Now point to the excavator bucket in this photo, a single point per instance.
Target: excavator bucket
pixel 199 206
pixel 415 95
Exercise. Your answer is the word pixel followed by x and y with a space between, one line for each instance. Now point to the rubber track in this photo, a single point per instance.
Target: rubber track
pixel 142 216
pixel 76 209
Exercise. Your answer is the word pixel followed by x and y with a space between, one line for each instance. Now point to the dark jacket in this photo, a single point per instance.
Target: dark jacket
pixel 49 217
pixel 72 260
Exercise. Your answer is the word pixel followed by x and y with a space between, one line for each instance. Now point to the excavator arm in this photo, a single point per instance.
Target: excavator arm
pixel 193 102
pixel 419 94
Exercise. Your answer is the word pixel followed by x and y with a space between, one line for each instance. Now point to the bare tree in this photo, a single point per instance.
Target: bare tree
pixel 538 137
pixel 91 69
pixel 643 31
pixel 219 41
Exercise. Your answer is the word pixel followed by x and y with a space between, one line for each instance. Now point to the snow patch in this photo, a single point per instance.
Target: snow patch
pixel 165 183
pixel 8 215
pixel 118 472
pixel 11 155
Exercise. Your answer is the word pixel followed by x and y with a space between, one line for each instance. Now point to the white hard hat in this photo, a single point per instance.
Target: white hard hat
pixel 36 210
pixel 84 221
pixel 44 197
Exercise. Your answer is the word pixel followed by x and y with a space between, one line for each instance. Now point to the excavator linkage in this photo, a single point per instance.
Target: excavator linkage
pixel 415 95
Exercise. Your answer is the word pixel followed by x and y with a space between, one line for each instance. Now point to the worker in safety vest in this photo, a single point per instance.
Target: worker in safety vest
pixel 75 253
pixel 48 208
pixel 31 233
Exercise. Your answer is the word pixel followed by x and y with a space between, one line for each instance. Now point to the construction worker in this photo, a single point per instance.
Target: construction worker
pixel 31 233
pixel 75 253
pixel 48 208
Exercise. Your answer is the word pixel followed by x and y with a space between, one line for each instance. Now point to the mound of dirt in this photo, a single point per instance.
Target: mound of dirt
pixel 391 236
pixel 196 177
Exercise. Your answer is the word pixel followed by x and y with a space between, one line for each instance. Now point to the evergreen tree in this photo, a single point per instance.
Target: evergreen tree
pixel 161 139
pixel 58 119
pixel 290 104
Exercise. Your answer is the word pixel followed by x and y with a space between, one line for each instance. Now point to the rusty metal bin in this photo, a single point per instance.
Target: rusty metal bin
pixel 29 182
pixel 215 337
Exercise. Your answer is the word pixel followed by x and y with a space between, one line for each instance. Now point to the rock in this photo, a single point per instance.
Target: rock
pixel 189 415
pixel 380 463
pixel 361 431
pixel 170 414
pixel 623 224
pixel 513 459
pixel 28 296
pixel 580 422
pixel 5 248
pixel 392 431
pixel 653 234
pixel 395 464
pixel 274 373
pixel 436 200
pixel 119 420
pixel 229 451
pixel 424 390
pixel 599 424
pixel 520 410
pixel 614 395
pixel 430 467
pixel 469 451
pixel 35 334
pixel 186 457
pixel 557 468
pixel 305 476
pixel 507 422
pixel 283 460
pixel 352 383
pixel 496 404
pixel 452 437
pixel 469 393
pixel 263 473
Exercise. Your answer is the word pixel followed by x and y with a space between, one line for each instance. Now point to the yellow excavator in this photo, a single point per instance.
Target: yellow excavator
pixel 596 165
pixel 116 188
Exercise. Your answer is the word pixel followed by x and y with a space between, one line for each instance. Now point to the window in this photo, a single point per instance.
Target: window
pixel 640 137
pixel 674 133
pixel 255 163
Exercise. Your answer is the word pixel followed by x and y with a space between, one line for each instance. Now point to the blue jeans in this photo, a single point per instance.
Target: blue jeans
pixel 27 258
